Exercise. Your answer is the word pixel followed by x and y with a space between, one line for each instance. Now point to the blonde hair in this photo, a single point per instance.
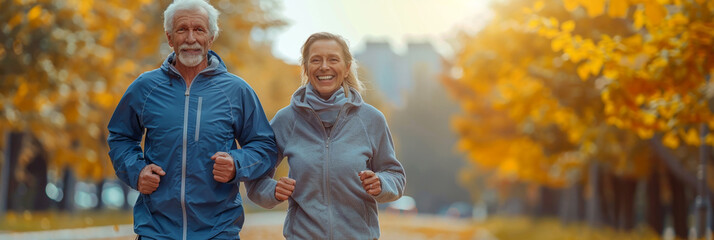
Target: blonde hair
pixel 351 80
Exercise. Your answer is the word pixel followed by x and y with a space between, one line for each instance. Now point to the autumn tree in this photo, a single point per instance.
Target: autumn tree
pixel 655 80
pixel 66 64
pixel 529 118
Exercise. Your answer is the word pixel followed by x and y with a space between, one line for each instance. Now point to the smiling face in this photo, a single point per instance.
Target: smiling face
pixel 190 37
pixel 326 67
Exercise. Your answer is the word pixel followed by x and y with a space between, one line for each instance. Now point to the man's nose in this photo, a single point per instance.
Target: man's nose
pixel 191 38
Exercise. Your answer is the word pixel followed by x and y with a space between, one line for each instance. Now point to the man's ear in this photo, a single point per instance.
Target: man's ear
pixel 168 37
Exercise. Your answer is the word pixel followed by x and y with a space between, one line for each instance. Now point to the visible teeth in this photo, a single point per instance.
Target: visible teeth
pixel 324 77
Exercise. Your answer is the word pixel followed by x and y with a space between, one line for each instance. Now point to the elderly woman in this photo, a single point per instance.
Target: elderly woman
pixel 339 150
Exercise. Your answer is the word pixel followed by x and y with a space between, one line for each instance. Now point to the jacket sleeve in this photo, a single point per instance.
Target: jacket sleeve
pixel 125 132
pixel 385 164
pixel 258 149
pixel 262 190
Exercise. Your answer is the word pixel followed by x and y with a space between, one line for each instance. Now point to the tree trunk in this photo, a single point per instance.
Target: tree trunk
pixel 625 203
pixel 679 205
pixel 37 169
pixel 68 188
pixel 580 199
pixel 549 201
pixel 607 194
pixel 125 189
pixel 655 216
pixel 12 146
pixel 571 204
pixel 25 192
pixel 593 204
pixel 100 191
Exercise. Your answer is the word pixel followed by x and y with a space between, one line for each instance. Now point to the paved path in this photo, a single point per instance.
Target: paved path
pixel 269 225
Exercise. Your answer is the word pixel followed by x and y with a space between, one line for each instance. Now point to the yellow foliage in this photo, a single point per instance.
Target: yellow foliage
pixel 691 137
pixel 617 8
pixel 34 13
pixel 568 26
pixel 671 140
pixel 570 5
pixel 508 169
pixel 645 133
pixel 709 140
pixel 538 5
pixel 595 7
pixel 105 99
pixel 648 118
pixel 655 12
pixel 639 18
pixel 15 20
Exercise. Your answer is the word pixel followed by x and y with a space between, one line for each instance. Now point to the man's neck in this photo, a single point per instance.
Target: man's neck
pixel 189 73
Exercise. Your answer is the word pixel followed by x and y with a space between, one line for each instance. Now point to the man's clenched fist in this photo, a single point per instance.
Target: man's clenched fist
pixel 224 168
pixel 149 178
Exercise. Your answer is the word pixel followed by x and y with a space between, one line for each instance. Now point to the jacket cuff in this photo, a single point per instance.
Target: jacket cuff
pixel 236 164
pixel 389 192
pixel 269 195
pixel 134 174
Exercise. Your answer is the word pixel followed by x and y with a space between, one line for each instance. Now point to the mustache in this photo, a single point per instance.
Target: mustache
pixel 192 46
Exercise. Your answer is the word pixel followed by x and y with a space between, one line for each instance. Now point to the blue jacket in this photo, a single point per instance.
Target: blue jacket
pixel 328 201
pixel 184 128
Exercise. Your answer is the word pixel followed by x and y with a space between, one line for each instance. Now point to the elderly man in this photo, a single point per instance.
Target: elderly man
pixel 190 112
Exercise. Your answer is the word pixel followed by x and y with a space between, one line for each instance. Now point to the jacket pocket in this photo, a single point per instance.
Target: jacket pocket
pixel 198 118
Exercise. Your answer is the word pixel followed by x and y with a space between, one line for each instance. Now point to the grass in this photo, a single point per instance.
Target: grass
pixel 506 228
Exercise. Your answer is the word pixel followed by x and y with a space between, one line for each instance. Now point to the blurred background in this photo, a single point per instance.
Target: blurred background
pixel 514 119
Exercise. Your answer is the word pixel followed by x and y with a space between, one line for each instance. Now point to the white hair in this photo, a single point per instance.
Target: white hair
pixel 202 5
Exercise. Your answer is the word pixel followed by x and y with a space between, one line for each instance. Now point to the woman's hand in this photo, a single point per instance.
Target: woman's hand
pixel 284 188
pixel 370 182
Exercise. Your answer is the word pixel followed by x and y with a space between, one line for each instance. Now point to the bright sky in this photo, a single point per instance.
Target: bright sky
pixel 394 21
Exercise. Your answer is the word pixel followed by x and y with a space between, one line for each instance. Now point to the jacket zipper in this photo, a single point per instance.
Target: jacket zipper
pixel 185 145
pixel 327 162
pixel 183 162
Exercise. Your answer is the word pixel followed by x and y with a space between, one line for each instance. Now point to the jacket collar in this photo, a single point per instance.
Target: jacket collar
pixel 299 100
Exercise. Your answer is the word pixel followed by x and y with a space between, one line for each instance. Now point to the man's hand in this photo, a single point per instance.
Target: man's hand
pixel 224 168
pixel 149 178
pixel 370 182
pixel 284 188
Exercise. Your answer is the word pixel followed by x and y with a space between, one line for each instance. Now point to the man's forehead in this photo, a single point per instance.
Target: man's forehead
pixel 192 13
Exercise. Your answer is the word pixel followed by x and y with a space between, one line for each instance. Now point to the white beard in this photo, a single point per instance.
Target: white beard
pixel 190 60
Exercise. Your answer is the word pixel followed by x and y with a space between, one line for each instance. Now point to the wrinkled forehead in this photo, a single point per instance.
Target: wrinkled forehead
pixel 193 14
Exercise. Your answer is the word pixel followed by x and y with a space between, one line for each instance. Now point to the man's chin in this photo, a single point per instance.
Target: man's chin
pixel 190 61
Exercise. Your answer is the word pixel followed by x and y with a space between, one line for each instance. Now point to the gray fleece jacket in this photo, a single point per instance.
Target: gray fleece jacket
pixel 328 201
